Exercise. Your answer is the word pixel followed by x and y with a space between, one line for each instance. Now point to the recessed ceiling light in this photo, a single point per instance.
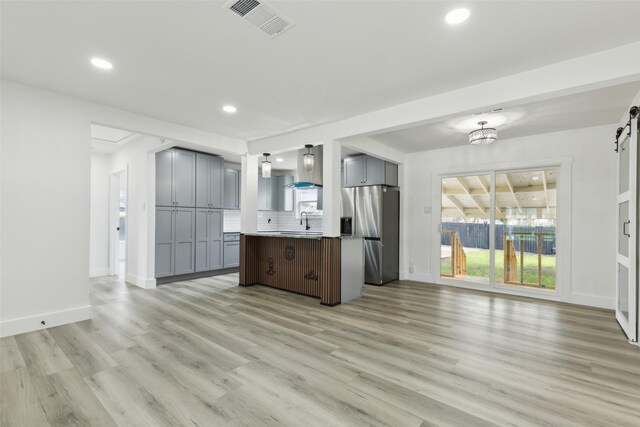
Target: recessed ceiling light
pixel 457 16
pixel 535 178
pixel 103 64
pixel 279 159
pixel 229 109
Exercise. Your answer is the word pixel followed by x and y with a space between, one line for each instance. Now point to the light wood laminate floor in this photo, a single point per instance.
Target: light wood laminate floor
pixel 206 352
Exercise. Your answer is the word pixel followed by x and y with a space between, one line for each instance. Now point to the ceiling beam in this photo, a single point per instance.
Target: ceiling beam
pixel 457 204
pixel 606 68
pixel 506 189
pixel 374 148
pixel 513 193
pixel 546 192
pixel 485 188
pixel 465 187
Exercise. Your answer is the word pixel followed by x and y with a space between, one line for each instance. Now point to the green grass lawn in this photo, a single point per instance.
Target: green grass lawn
pixel 478 266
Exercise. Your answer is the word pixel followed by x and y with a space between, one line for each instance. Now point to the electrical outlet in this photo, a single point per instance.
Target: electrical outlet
pixel 412 268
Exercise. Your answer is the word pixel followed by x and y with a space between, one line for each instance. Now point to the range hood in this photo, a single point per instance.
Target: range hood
pixel 306 179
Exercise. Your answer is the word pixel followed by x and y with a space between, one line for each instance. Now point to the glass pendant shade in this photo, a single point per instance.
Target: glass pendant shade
pixel 266 166
pixel 482 135
pixel 308 159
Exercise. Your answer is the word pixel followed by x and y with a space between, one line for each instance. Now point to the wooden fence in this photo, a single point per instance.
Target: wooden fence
pixel 477 236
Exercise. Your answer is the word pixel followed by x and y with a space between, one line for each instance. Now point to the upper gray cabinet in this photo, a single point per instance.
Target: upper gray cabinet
pixel 231 189
pixel 175 178
pixel 284 194
pixel 209 181
pixel 273 193
pixel 264 194
pixel 366 170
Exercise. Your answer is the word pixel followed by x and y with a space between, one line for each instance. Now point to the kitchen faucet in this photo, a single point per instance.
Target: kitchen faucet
pixel 306 219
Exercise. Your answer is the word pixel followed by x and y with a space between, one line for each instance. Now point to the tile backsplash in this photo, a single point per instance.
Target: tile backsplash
pixel 282 220
pixel 231 221
pixel 270 221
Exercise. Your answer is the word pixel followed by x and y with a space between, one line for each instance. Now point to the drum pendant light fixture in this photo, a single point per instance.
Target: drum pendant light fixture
pixel 266 166
pixel 309 159
pixel 483 135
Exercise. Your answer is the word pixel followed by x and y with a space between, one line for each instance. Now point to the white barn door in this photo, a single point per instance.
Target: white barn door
pixel 627 234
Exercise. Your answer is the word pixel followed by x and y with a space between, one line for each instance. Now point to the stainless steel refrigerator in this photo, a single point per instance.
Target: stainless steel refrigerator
pixel 376 218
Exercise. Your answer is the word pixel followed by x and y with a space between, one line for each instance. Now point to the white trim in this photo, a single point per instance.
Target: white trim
pixel 140 282
pixel 563 234
pixel 99 272
pixel 56 318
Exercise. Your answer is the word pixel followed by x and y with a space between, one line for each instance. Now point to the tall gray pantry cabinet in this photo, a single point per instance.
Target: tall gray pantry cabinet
pixel 189 218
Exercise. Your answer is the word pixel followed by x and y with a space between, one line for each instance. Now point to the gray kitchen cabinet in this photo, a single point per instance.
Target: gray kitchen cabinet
pixel 354 169
pixel 374 171
pixel 165 243
pixel 265 193
pixel 231 254
pixel 359 171
pixel 175 241
pixel 209 181
pixel 231 189
pixel 185 242
pixel 184 170
pixel 231 250
pixel 175 178
pixel 284 195
pixel 164 178
pixel 209 238
pixel 273 195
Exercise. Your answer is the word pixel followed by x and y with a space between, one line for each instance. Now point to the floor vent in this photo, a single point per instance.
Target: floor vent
pixel 262 16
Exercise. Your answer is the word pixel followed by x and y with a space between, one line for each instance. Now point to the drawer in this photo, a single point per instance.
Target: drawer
pixel 231 237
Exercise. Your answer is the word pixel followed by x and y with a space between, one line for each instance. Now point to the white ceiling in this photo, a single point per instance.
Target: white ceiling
pixel 597 107
pixel 180 61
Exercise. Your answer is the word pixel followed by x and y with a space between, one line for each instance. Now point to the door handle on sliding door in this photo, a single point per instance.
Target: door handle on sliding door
pixel 624 228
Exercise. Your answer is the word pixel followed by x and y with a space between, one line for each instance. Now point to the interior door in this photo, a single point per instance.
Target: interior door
pixel 626 235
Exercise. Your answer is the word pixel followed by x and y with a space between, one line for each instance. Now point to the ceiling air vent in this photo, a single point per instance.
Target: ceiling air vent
pixel 260 15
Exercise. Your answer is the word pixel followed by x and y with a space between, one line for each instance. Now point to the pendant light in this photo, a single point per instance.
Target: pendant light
pixel 266 166
pixel 308 159
pixel 483 135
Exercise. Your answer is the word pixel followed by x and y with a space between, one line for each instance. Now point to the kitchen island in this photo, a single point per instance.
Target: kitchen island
pixel 304 263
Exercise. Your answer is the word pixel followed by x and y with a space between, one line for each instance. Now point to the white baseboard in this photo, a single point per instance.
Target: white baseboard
pixel 418 277
pixel 33 323
pixel 98 272
pixel 592 300
pixel 140 282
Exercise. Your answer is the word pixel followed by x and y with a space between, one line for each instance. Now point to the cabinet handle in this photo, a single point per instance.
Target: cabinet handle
pixel 624 228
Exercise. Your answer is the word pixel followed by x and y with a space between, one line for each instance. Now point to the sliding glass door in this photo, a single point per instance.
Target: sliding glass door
pixel 499 229
pixel 465 219
pixel 525 229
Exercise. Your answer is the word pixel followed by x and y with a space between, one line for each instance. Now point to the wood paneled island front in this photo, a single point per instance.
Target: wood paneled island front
pixel 305 264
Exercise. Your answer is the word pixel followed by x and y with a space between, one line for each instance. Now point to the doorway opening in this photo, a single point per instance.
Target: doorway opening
pixel 118 221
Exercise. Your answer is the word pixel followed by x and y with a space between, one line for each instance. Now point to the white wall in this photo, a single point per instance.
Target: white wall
pixel 99 222
pixel 45 175
pixel 592 220
pixel 45 210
